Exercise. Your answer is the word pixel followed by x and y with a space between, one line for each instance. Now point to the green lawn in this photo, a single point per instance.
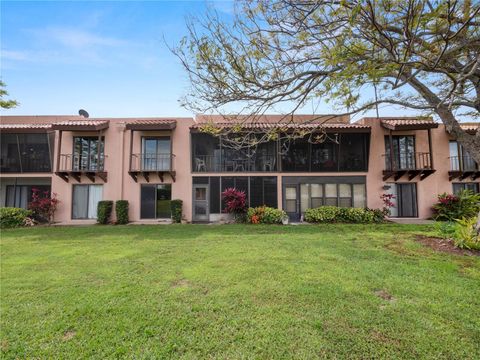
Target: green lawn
pixel 233 291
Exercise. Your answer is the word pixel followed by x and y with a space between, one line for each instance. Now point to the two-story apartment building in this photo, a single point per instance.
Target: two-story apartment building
pixel 153 160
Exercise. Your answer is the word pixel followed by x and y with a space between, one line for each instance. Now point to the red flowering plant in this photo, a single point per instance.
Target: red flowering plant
pixel 387 203
pixel 43 205
pixel 450 207
pixel 235 203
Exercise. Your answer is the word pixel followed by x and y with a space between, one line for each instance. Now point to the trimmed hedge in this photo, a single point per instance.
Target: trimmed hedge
pixel 332 214
pixel 176 209
pixel 265 215
pixel 11 217
pixel 104 211
pixel 121 210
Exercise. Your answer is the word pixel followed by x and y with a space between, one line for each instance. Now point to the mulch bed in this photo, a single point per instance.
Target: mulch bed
pixel 444 245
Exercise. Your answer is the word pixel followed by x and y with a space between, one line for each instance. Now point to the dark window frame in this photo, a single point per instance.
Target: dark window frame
pixel 101 156
pixel 156 199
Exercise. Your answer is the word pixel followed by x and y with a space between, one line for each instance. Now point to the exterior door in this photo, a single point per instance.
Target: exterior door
pixel 405 200
pixel 291 203
pixel 200 202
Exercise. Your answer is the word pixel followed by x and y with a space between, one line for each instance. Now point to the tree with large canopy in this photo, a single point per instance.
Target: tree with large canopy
pixel 357 55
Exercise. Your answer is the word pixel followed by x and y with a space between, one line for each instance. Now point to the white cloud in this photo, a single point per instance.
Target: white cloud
pixel 76 38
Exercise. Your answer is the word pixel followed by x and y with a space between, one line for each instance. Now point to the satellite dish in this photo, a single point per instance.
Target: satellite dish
pixel 83 113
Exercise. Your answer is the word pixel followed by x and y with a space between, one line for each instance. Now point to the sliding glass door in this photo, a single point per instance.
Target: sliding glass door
pixel 85 201
pixel 155 201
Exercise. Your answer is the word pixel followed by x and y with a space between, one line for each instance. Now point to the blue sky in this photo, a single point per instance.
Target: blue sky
pixel 106 57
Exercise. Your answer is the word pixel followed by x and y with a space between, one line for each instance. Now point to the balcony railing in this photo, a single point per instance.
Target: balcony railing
pixel 81 163
pixel 213 163
pixel 407 161
pixel 463 163
pixel 152 162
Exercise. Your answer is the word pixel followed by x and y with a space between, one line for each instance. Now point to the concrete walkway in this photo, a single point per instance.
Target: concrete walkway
pixel 410 221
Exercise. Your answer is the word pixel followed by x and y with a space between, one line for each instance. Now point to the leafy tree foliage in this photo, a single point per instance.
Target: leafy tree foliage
pixel 417 54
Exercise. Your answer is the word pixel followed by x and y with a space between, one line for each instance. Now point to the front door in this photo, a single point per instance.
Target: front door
pixel 291 202
pixel 200 202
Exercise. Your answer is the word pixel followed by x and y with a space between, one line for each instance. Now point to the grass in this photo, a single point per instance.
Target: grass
pixel 232 291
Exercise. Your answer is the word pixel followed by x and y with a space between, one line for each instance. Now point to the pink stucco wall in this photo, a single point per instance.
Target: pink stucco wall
pixel 120 184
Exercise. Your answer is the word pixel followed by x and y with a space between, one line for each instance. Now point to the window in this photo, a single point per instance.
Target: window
pixel 460 160
pixel 155 201
pixel 457 187
pixel 88 153
pixel 85 201
pixel 342 195
pixel 20 196
pixel 25 153
pixel 403 152
pixel 156 154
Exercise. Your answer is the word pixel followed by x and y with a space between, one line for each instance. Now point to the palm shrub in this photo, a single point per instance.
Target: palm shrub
pixel 104 211
pixel 465 235
pixel 450 207
pixel 121 209
pixel 11 217
pixel 176 209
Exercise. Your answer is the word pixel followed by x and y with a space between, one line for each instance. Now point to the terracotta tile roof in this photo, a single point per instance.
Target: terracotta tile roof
pixel 470 128
pixel 25 126
pixel 408 123
pixel 273 119
pixel 280 125
pixel 152 124
pixel 87 125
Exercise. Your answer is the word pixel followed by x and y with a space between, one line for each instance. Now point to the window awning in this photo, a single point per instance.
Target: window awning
pixel 408 124
pixel 81 125
pixel 152 124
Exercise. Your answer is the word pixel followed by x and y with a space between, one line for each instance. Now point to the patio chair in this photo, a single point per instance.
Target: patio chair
pixel 200 164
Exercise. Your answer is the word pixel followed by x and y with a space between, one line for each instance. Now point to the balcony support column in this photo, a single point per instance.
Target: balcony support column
pixel 430 147
pixel 99 148
pixel 390 140
pixel 59 149
pixel 131 151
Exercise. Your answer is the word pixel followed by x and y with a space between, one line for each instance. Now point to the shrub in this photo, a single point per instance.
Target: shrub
pixel 331 214
pixel 445 229
pixel 265 215
pixel 323 214
pixel 450 207
pixel 176 208
pixel 104 211
pixel 43 205
pixel 235 203
pixel 13 217
pixel 121 209
pixel 465 235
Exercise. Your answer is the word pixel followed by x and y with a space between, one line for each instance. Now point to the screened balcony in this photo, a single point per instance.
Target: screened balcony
pixel 346 152
pixel 25 153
